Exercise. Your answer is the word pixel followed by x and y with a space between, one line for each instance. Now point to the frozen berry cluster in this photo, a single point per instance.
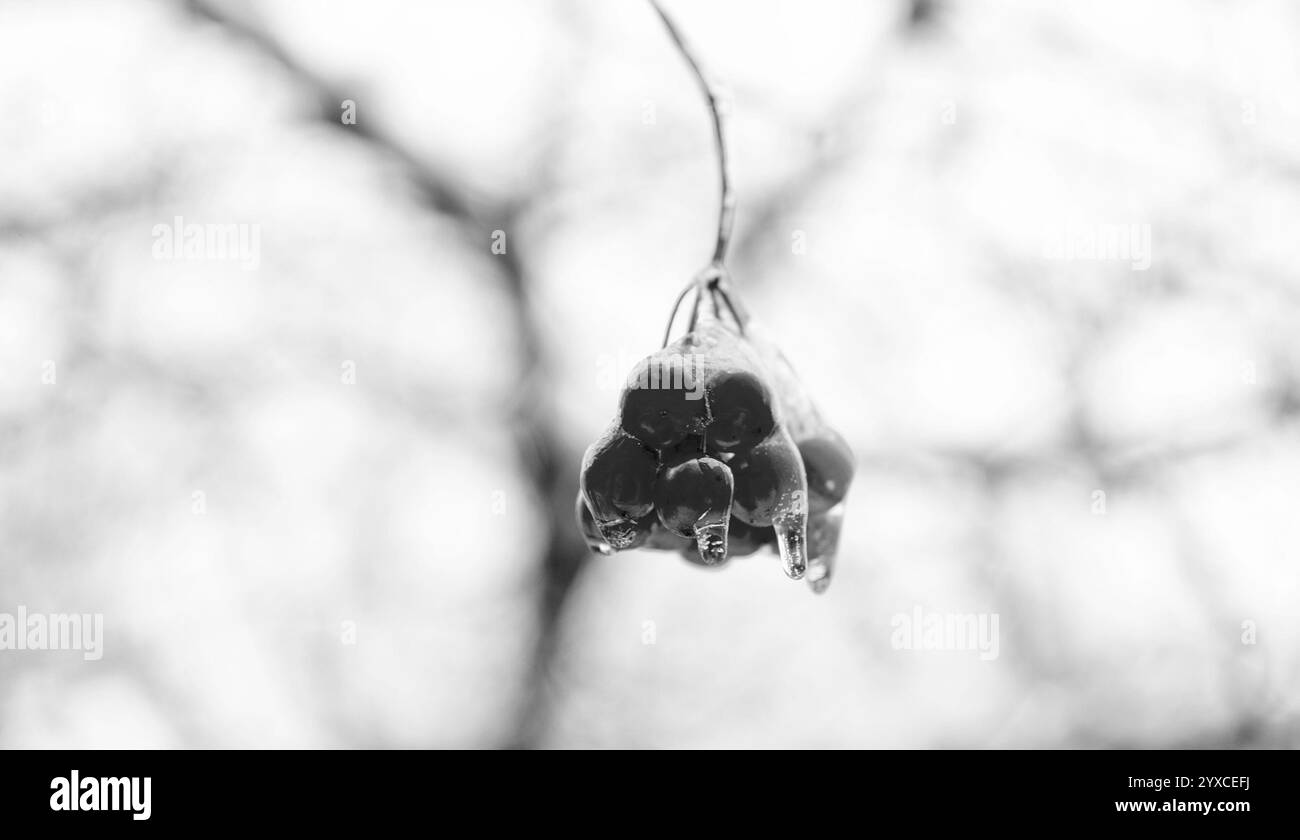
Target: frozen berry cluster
pixel 717 451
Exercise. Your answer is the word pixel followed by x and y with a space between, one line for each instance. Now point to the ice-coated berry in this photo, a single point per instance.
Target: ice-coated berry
pixel 829 464
pixel 587 524
pixel 664 400
pixel 693 499
pixel 741 408
pixel 617 480
pixel 764 479
pixel 771 489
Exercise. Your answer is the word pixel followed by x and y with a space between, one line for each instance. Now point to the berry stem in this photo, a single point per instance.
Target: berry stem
pixel 713 95
pixel 736 309
pixel 672 316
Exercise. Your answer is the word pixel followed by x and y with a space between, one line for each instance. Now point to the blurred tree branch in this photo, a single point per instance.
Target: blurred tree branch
pixel 542 453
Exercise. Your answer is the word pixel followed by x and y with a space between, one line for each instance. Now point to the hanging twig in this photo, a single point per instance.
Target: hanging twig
pixel 712 93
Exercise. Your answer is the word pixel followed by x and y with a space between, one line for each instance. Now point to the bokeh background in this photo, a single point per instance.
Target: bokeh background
pixel 328 501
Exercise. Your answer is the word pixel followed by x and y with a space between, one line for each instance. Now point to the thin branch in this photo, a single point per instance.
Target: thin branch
pixel 668 331
pixel 734 307
pixel 712 93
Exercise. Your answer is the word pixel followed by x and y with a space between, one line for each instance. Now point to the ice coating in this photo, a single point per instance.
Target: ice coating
pixel 711 541
pixel 587 524
pixel 829 467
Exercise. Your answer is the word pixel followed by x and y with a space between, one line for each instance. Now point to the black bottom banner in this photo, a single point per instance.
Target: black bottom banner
pixel 139 790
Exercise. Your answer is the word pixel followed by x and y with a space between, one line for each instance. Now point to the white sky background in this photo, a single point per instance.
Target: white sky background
pixel 990 388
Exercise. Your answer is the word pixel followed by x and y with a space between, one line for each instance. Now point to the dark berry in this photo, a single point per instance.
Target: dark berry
pixel 617 480
pixel 664 400
pixel 765 477
pixel 828 461
pixel 741 408
pixel 693 499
